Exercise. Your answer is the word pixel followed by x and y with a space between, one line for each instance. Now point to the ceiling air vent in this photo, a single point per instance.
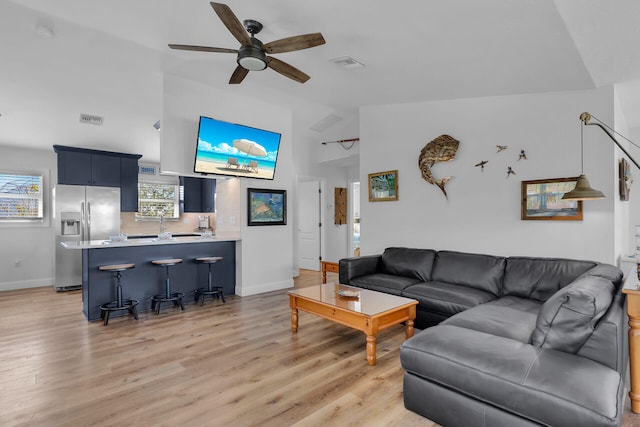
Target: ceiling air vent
pixel 91 120
pixel 146 170
pixel 347 62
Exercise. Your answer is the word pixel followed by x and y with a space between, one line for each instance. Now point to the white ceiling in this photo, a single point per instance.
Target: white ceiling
pixel 107 58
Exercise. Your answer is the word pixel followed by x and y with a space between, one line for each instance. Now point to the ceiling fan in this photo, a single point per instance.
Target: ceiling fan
pixel 252 54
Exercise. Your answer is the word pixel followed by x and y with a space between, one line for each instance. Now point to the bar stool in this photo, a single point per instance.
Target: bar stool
pixel 214 291
pixel 176 297
pixel 119 303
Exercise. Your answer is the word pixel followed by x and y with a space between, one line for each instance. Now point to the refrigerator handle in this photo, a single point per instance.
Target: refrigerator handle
pixel 83 222
pixel 88 220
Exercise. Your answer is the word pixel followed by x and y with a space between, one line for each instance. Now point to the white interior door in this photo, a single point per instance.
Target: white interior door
pixel 309 225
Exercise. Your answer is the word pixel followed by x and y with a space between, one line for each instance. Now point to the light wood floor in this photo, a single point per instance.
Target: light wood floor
pixel 219 365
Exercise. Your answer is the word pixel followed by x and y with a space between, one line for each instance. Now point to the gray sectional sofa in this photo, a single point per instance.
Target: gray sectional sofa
pixel 509 341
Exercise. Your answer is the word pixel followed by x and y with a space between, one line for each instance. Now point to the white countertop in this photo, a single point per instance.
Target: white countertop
pixel 94 244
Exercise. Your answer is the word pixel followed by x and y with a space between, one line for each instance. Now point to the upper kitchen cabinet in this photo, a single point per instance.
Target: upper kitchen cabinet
pixel 128 184
pixel 105 170
pixel 198 194
pixel 73 168
pixel 81 166
pixel 87 167
pixel 208 195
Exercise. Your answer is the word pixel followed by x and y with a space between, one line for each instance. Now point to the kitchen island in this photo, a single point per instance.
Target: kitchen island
pixel 146 279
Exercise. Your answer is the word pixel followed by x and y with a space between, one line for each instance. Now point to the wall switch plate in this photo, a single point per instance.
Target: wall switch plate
pixel 232 220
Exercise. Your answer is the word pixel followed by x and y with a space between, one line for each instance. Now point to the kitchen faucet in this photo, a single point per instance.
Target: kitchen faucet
pixel 162 226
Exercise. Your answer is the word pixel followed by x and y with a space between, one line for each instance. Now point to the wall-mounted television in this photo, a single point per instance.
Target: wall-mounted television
pixel 235 150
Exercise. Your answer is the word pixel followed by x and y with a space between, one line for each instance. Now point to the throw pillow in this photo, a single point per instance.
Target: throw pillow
pixel 567 319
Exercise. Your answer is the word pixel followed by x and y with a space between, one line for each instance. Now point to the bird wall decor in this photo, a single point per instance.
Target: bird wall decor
pixel 481 164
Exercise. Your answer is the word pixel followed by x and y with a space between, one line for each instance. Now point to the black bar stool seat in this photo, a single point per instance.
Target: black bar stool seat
pixel 175 297
pixel 214 291
pixel 119 303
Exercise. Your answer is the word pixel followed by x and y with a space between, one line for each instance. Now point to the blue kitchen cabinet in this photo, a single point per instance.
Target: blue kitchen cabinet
pixel 198 194
pixel 82 166
pixel 128 184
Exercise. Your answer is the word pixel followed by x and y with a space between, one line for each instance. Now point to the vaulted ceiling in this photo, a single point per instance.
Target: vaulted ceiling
pixel 107 58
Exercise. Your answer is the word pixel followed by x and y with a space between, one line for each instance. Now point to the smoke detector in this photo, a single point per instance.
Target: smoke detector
pixel 44 31
pixel 347 62
pixel 91 120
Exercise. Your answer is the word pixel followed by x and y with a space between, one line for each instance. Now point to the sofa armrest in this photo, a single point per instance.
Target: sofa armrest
pixel 358 266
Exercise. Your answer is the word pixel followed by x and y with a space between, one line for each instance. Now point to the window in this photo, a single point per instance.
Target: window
pixel 155 200
pixel 21 197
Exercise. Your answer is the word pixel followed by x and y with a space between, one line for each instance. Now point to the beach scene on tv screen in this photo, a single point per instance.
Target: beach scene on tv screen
pixel 232 149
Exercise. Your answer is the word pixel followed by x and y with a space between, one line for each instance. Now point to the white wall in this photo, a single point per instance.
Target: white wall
pixel 27 251
pixel 228 213
pixel 336 235
pixel 634 195
pixel 331 164
pixel 482 213
pixel 624 233
pixel 265 254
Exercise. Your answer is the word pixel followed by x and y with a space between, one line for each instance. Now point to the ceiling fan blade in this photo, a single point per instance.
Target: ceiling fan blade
pixel 290 44
pixel 238 75
pixel 286 70
pixel 232 23
pixel 202 48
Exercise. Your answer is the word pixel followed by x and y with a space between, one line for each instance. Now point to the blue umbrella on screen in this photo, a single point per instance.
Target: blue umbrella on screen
pixel 250 148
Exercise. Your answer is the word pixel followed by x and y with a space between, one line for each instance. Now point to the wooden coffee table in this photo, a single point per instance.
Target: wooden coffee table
pixel 370 312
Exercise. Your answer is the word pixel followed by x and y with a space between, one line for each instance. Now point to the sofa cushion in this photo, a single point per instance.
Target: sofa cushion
pixel 549 386
pixel 509 317
pixel 445 298
pixel 539 278
pixel 472 270
pixel 525 305
pixel 383 283
pixel 408 262
pixel 569 317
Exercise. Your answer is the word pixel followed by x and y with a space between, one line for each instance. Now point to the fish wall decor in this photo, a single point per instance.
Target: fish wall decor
pixel 441 149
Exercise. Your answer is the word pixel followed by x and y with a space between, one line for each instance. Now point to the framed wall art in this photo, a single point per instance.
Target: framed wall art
pixel 542 200
pixel 383 186
pixel 340 202
pixel 625 179
pixel 266 207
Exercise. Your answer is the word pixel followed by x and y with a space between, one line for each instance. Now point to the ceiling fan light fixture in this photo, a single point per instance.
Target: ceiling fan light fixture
pixel 252 54
pixel 252 64
pixel 252 58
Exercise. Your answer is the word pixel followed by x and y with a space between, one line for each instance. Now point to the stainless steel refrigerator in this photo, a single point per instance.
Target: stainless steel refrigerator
pixel 80 214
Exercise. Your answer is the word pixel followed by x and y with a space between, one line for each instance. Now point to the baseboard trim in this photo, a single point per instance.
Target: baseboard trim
pixel 244 291
pixel 25 284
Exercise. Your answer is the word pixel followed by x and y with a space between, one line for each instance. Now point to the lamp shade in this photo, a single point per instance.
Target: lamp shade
pixel 583 191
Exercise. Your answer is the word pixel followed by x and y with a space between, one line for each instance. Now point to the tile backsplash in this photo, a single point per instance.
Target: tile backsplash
pixel 188 223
